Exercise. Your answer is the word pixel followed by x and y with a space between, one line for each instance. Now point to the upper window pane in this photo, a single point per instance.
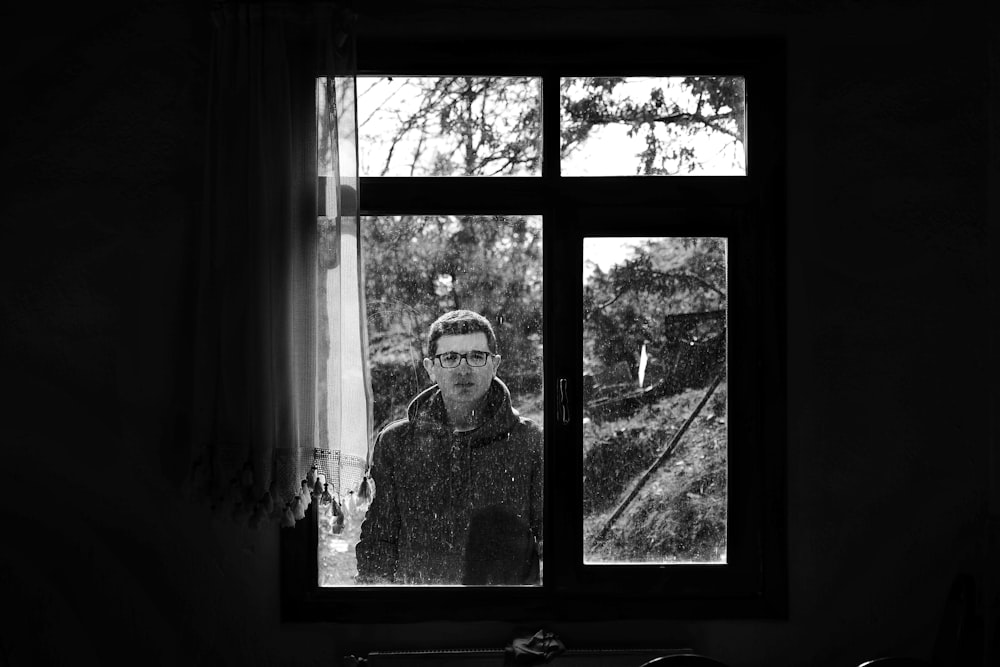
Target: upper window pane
pixel 450 126
pixel 653 126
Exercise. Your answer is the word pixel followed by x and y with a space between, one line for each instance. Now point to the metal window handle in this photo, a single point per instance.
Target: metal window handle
pixel 563 401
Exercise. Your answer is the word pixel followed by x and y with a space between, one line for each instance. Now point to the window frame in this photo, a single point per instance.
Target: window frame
pixel 748 208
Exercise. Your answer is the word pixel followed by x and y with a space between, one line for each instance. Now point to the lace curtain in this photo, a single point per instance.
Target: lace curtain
pixel 281 414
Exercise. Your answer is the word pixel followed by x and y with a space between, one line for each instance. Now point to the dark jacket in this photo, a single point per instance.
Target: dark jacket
pixel 431 482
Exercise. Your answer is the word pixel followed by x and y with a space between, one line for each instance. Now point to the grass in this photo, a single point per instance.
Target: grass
pixel 680 514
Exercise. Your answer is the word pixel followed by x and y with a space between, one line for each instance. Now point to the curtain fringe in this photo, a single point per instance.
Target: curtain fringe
pixel 237 501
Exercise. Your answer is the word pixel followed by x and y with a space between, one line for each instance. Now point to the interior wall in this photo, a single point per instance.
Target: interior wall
pixel 888 304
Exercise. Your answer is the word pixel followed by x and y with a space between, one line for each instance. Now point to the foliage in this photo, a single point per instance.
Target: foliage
pixel 395 382
pixel 671 295
pixel 637 302
pixel 456 126
pixel 418 267
pixel 675 111
pixel 488 125
pixel 681 514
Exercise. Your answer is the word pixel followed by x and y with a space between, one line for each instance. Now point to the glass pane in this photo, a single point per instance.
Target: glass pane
pixel 653 126
pixel 450 126
pixel 655 431
pixel 461 502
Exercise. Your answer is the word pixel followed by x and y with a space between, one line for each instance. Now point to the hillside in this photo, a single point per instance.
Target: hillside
pixel 680 514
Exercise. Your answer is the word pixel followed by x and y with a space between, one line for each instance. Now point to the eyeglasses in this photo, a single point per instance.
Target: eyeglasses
pixel 476 358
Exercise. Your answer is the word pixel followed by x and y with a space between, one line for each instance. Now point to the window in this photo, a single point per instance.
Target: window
pixel 645 335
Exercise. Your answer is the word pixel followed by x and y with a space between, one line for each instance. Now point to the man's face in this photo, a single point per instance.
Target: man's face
pixel 464 385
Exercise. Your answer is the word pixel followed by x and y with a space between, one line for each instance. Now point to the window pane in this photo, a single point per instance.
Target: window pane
pixel 654 345
pixel 450 126
pixel 417 268
pixel 649 126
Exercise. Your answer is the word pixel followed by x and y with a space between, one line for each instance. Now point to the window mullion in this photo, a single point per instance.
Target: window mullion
pixel 550 126
pixel 384 195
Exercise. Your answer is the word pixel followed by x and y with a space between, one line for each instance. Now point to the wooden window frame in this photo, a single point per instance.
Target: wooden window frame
pixel 749 209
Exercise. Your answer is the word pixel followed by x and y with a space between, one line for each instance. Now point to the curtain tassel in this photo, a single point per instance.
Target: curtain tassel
pixel 367 489
pixel 298 508
pixel 305 494
pixel 351 502
pixel 338 517
pixel 332 519
pixel 276 512
pixel 288 517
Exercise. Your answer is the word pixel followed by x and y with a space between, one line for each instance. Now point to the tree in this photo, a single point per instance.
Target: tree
pixel 671 294
pixel 417 267
pixel 436 126
pixel 674 117
pixel 452 126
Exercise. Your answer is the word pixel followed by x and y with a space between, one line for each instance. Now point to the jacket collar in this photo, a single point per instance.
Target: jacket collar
pixel 427 410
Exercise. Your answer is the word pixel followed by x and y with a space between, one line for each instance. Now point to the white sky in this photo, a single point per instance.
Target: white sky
pixel 607 251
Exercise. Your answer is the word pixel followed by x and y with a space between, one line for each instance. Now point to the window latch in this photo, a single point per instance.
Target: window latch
pixel 563 401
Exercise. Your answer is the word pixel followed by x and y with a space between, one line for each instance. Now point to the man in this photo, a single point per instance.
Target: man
pixel 458 483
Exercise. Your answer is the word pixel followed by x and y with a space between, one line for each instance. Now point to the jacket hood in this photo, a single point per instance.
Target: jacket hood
pixel 427 410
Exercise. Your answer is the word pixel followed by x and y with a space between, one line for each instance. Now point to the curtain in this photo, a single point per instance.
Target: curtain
pixel 281 391
pixel 345 397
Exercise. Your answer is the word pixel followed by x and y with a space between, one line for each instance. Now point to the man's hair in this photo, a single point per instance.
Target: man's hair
pixel 457 323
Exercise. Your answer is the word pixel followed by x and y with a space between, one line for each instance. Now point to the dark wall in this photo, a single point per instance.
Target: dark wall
pixel 888 310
